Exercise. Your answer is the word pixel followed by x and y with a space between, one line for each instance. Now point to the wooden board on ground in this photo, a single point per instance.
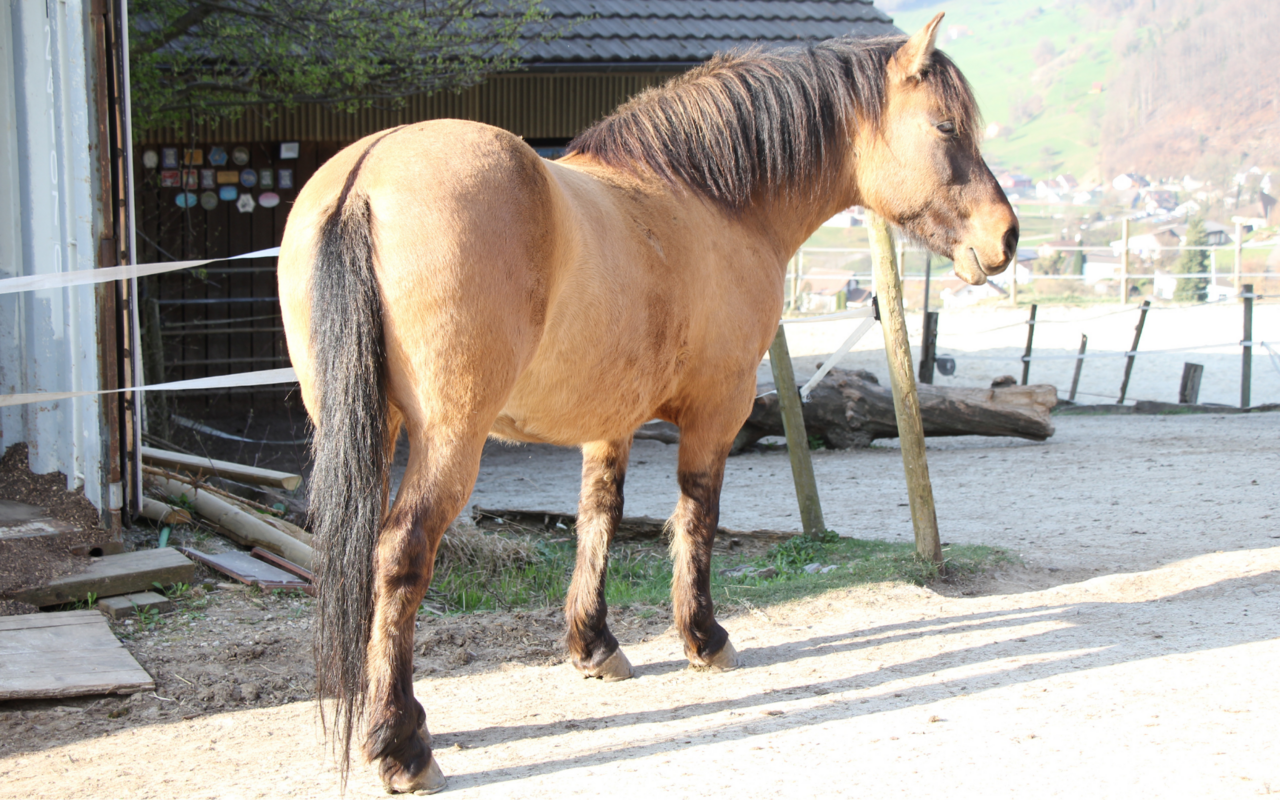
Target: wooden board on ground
pixel 114 575
pixel 65 654
pixel 223 469
pixel 127 605
pixel 248 570
pixel 628 527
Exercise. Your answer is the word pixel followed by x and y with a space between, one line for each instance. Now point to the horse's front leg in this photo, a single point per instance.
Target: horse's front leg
pixel 592 647
pixel 700 472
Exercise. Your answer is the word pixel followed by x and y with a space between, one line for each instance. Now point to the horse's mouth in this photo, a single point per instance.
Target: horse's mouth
pixel 970 269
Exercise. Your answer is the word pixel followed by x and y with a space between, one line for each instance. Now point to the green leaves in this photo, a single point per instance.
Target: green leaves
pixel 202 61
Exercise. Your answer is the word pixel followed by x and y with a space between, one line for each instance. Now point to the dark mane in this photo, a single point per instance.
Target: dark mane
pixel 764 120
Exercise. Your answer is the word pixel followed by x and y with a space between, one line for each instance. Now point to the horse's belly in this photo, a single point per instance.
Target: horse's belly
pixel 569 406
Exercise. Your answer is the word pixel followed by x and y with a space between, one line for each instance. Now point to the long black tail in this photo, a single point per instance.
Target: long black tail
pixel 348 479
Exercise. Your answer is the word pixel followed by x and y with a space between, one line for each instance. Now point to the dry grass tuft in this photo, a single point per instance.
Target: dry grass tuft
pixel 466 547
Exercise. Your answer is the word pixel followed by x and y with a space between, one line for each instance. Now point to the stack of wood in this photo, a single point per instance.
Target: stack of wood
pixel 183 481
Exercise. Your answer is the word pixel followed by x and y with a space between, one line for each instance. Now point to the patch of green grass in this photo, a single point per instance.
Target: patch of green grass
pixel 640 575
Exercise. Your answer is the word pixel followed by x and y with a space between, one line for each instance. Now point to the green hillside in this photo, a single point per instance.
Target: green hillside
pixel 1032 65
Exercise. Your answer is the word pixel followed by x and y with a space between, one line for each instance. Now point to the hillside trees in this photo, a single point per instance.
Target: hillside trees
pixel 1193 290
pixel 205 60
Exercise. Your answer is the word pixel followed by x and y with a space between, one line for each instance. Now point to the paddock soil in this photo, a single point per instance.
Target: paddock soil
pixel 1129 654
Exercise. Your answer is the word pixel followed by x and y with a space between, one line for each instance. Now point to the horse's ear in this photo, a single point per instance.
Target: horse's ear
pixel 913 58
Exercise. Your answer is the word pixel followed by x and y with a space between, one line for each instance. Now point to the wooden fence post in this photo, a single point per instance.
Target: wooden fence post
pixel 906 402
pixel 1133 351
pixel 1189 391
pixel 1124 263
pixel 1246 360
pixel 1026 354
pixel 784 377
pixel 1075 379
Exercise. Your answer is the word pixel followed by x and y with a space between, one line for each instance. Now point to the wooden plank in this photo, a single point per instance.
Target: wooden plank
pixel 65 654
pixel 33 621
pixel 1189 390
pixel 629 528
pixel 283 563
pixel 906 401
pixel 223 469
pixel 113 575
pixel 246 569
pixel 797 438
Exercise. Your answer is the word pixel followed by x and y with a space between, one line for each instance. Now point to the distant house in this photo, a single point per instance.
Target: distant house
pixel 1100 266
pixel 1157 200
pixel 1217 233
pixel 958 32
pixel 1127 181
pixel 1048 190
pixel 1015 180
pixel 1068 183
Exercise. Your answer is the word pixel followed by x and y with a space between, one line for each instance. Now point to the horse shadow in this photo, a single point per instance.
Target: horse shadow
pixel 1057 652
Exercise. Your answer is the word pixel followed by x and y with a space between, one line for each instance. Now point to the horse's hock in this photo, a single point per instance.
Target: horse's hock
pixel 851 409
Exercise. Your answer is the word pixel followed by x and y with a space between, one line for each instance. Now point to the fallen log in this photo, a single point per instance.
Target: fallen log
pixel 851 409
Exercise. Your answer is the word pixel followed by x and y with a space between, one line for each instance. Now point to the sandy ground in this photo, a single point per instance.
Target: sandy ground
pixel 1130 656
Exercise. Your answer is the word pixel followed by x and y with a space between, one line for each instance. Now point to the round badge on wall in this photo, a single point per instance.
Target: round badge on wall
pixel 151 159
pixel 268 199
pixel 208 201
pixel 186 200
pixel 249 177
pixel 240 155
pixel 228 193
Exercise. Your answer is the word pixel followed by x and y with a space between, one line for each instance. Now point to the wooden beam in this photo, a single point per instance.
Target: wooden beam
pixel 924 517
pixel 784 378
pixel 113 575
pixel 224 469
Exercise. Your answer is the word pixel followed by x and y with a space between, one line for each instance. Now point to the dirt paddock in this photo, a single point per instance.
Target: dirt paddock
pixel 1131 654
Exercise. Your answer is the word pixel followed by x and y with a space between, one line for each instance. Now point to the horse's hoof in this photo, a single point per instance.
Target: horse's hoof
pixel 615 668
pixel 427 781
pixel 723 661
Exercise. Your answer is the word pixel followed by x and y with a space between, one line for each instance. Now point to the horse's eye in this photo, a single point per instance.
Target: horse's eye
pixel 947 128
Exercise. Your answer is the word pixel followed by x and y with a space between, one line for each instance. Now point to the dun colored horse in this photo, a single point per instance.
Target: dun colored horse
pixel 444 278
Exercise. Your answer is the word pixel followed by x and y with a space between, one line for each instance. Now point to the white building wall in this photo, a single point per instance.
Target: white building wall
pixel 50 222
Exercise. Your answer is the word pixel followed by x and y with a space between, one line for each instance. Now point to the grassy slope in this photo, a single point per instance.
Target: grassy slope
pixel 998 60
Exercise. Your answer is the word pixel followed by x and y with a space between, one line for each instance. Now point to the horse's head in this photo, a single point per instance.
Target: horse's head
pixel 919 166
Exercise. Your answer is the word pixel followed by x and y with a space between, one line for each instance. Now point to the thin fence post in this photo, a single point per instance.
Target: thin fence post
pixel 1026 354
pixel 928 267
pixel 929 346
pixel 1075 379
pixel 1133 351
pixel 1239 254
pixel 1013 285
pixel 906 401
pixel 1246 360
pixel 1124 262
pixel 784 377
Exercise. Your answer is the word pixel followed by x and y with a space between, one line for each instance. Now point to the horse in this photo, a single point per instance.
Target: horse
pixel 443 278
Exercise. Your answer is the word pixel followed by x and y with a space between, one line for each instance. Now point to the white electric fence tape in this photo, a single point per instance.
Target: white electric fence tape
pixel 854 313
pixel 262 377
pixel 840 353
pixel 57 280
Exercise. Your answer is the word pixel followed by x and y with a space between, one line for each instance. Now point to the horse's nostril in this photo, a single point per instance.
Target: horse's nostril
pixel 1011 243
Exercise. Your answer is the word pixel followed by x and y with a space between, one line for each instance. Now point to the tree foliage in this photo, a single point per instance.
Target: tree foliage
pixel 1193 290
pixel 202 61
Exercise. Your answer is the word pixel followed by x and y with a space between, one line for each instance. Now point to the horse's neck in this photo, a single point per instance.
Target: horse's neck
pixel 788 219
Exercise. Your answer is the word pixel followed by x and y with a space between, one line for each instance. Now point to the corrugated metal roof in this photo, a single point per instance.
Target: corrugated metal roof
pixel 635 32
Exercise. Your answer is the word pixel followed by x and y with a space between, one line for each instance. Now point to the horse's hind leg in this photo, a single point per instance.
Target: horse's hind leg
pixel 435 487
pixel 700 473
pixel 592 647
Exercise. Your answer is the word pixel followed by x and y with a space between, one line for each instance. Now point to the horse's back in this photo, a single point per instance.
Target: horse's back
pixel 462 219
